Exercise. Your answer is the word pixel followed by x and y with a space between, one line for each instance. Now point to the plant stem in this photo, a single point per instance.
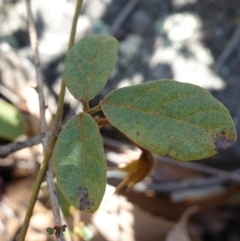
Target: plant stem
pixel 37 186
pixel 43 122
pixel 53 138
pixel 94 109
pixel 74 24
pixel 102 122
pixel 86 106
pixel 15 146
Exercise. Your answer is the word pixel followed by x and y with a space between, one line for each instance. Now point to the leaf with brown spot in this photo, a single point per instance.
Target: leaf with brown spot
pixel 179 120
pixel 80 163
pixel 221 142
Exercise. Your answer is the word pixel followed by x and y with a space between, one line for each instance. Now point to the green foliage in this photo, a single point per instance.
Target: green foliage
pixel 173 119
pixel 179 120
pixel 89 64
pixel 80 163
pixel 50 230
pixel 12 125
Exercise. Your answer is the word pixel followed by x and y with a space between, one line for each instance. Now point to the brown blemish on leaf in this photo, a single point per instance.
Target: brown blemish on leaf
pixel 84 202
pixel 138 133
pixel 223 132
pixel 221 143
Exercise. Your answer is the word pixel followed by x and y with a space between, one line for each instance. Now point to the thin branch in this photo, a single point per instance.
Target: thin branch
pixel 74 24
pixel 102 121
pixel 232 44
pixel 56 126
pixel 229 176
pixel 39 88
pixel 16 146
pixel 177 186
pixel 94 109
pixel 123 15
pixel 43 122
pixel 86 106
pixel 9 95
pixel 40 176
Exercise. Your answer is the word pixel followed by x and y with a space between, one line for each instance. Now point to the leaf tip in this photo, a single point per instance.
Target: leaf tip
pixel 221 142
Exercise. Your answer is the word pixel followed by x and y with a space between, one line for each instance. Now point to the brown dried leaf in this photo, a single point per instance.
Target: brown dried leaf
pixel 136 170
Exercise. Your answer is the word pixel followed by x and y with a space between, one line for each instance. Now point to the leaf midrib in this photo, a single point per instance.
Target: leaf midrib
pixel 163 116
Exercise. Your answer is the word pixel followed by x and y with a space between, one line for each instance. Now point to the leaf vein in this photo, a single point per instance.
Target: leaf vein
pixel 157 115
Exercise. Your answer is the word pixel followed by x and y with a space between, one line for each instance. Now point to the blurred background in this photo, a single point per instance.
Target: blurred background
pixel 187 40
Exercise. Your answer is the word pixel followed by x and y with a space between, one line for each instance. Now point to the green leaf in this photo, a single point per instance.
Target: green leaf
pixel 80 163
pixel 89 64
pixel 12 124
pixel 174 119
pixel 50 230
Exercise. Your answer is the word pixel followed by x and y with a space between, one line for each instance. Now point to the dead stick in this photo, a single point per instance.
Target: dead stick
pixel 230 176
pixel 232 44
pixel 122 16
pixel 16 146
pixel 42 107
pixel 177 186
